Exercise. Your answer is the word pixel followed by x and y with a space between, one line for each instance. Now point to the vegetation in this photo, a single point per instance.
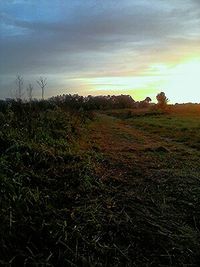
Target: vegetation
pixel 162 100
pixel 94 102
pixel 83 185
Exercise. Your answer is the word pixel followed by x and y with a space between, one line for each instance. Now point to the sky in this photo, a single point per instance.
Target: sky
pixel 135 47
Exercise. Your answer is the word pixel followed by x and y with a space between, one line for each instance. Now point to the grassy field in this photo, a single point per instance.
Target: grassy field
pixel 115 188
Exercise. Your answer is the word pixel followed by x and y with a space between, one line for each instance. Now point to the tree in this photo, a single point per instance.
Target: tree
pixel 162 100
pixel 148 99
pixel 19 82
pixel 30 91
pixel 42 83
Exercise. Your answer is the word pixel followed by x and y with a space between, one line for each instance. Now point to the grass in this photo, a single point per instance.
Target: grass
pixel 174 127
pixel 111 190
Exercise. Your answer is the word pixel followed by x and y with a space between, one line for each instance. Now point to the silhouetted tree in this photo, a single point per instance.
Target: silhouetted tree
pixel 147 99
pixel 162 100
pixel 94 102
pixel 42 82
pixel 143 104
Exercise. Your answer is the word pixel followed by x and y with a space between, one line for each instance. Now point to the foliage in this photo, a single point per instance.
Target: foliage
pixel 94 102
pixel 162 100
pixel 38 171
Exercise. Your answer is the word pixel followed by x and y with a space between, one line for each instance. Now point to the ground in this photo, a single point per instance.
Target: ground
pixel 153 164
pixel 151 143
pixel 121 189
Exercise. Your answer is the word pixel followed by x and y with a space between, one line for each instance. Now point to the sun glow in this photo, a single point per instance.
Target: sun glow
pixel 180 81
pixel 183 83
pixel 137 86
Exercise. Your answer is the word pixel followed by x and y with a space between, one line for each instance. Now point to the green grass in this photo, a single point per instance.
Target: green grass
pixel 177 128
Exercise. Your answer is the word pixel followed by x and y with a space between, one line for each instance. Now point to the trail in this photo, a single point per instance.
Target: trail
pixel 147 186
pixel 129 153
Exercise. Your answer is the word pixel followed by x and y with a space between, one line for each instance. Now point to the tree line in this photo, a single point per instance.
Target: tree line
pixel 85 102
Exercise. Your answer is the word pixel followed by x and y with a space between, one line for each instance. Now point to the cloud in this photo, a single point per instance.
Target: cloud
pixel 76 39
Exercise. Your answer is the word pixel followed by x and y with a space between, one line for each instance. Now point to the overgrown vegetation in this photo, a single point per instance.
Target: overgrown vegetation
pixel 85 188
pixel 94 102
pixel 41 170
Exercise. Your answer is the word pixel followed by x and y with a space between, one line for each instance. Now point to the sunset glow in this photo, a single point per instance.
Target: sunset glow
pixel 181 82
pixel 111 49
pixel 184 82
pixel 100 133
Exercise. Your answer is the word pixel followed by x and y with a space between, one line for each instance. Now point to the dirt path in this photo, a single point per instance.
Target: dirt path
pixel 122 148
pixel 127 152
pixel 115 135
pixel 147 190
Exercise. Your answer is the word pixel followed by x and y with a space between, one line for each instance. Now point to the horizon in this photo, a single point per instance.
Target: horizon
pixel 25 99
pixel 136 48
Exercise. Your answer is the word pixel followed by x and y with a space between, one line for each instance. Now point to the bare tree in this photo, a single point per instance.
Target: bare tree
pixel 42 82
pixel 19 91
pixel 30 91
